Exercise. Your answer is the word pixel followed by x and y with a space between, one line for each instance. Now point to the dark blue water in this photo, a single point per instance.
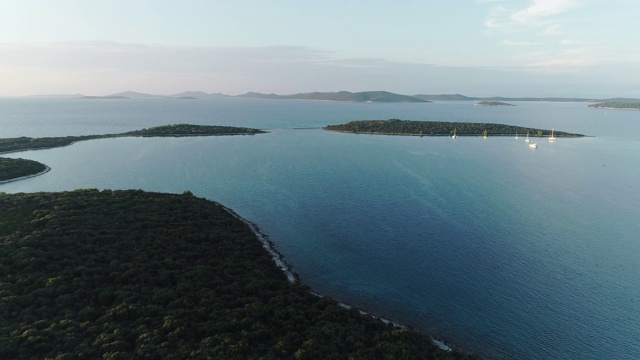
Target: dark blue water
pixel 501 249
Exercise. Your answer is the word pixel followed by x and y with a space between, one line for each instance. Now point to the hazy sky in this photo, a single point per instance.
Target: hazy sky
pixel 587 48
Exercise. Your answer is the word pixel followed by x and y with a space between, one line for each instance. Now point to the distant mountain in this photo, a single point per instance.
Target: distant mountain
pixel 446 97
pixel 136 95
pixel 109 97
pixel 197 95
pixel 54 96
pixel 366 96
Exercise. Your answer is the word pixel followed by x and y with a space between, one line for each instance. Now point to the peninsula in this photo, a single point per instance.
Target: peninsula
pixel 15 169
pixel 132 274
pixel 439 128
pixel 27 143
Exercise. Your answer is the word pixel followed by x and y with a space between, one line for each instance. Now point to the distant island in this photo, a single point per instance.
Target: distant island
pixel 458 97
pixel 133 274
pixel 109 97
pixel 439 128
pixel 492 103
pixel 366 96
pixel 14 169
pixel 616 105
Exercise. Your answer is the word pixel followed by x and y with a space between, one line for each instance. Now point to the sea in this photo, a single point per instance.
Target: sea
pixel 492 246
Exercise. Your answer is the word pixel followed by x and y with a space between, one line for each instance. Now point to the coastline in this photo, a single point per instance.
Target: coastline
pixel 46 170
pixel 294 278
pixel 612 108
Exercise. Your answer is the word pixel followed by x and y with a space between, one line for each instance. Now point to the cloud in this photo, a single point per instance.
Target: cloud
pixel 519 43
pixel 537 14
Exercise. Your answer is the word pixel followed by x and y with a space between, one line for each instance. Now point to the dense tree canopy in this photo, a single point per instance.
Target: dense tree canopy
pixel 122 274
pixel 616 105
pixel 28 143
pixel 17 168
pixel 13 169
pixel 406 127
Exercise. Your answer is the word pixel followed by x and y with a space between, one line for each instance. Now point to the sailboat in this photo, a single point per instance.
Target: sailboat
pixel 533 145
pixel 527 139
pixel 454 134
pixel 552 138
pixel 516 134
pixel 484 134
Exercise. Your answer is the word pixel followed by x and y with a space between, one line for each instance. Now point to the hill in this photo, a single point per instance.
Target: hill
pixel 367 96
pixel 130 274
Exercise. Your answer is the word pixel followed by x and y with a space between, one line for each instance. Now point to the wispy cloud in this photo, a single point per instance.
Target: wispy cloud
pixel 535 15
pixel 519 43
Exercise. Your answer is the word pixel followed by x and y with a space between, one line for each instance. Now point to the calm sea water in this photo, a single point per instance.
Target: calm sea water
pixel 504 250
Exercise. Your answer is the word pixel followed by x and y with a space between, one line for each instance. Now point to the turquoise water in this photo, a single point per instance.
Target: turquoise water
pixel 504 250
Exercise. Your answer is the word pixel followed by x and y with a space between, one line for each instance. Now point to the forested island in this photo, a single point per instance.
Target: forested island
pixel 614 105
pixel 131 274
pixel 439 128
pixel 11 169
pixel 492 103
pixel 28 143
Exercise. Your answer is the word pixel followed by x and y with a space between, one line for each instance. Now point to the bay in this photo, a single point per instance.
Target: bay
pixel 503 250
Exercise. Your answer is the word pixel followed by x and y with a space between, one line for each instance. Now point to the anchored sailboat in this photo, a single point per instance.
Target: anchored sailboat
pixel 484 134
pixel 454 134
pixel 552 138
pixel 527 139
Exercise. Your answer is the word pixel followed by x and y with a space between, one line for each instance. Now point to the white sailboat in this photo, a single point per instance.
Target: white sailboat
pixel 516 134
pixel 484 134
pixel 533 145
pixel 552 138
pixel 527 139
pixel 454 134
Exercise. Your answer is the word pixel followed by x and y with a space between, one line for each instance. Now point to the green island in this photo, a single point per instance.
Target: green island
pixel 176 130
pixel 133 274
pixel 614 105
pixel 11 169
pixel 439 128
pixel 492 103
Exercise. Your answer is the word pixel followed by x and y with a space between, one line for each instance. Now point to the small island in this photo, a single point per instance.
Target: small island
pixel 16 169
pixel 132 274
pixel 492 103
pixel 12 169
pixel 614 105
pixel 440 128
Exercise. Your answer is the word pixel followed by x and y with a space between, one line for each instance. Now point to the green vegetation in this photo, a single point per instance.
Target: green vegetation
pixel 616 105
pixel 131 274
pixel 193 130
pixel 17 168
pixel 27 143
pixel 492 103
pixel 406 127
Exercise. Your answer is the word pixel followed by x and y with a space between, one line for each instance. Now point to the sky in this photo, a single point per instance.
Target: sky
pixel 571 48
